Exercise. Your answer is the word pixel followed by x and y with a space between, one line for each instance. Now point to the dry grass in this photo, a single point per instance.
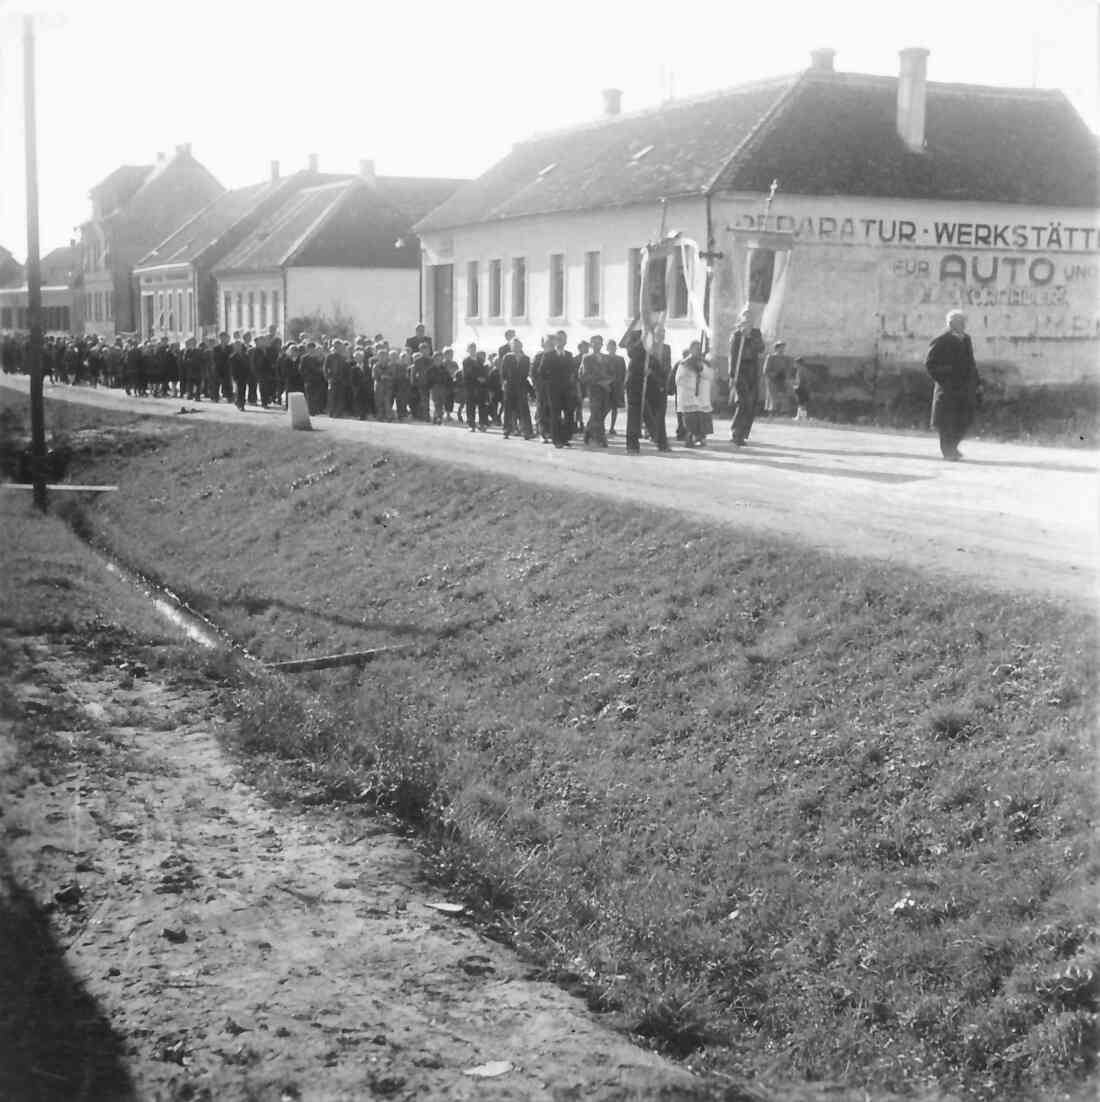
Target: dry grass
pixel 778 810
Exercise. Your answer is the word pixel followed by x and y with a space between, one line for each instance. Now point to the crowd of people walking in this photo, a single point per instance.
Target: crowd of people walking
pixel 370 378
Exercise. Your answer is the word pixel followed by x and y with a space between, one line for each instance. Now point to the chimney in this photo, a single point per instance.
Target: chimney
pixel 184 148
pixel 821 61
pixel 312 161
pixel 366 169
pixel 912 85
pixel 274 170
pixel 612 101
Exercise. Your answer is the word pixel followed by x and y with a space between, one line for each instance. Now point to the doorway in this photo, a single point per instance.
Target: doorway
pixel 443 300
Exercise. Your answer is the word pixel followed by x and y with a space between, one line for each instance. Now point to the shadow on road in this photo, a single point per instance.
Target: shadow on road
pixel 750 456
pixel 931 457
pixel 55 1043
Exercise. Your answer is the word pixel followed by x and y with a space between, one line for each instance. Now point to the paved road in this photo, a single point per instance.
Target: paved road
pixel 1010 516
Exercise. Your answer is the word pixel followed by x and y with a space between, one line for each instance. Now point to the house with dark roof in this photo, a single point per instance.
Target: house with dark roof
pixel 176 284
pixel 342 247
pixel 11 271
pixel 132 209
pixel 59 272
pixel 897 197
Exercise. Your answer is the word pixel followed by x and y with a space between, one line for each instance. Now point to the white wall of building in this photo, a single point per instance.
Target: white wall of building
pixel 251 302
pixel 612 233
pixel 873 279
pixel 870 279
pixel 379 300
pixel 167 303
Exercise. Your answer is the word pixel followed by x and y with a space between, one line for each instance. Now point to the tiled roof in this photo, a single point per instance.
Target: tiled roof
pixel 347 222
pixel 821 133
pixel 202 231
pixel 836 135
pixel 282 233
pixel 124 181
pixel 676 149
pixel 61 264
pixel 416 196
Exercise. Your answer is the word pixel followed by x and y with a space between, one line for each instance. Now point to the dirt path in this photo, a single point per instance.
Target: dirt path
pixel 236 950
pixel 1013 517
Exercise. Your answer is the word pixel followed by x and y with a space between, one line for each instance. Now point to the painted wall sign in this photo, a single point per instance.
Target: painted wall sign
pixel 1051 237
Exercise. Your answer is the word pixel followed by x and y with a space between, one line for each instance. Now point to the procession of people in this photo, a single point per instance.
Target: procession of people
pixel 368 378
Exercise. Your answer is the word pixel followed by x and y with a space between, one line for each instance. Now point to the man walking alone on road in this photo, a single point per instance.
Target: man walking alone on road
pixel 958 389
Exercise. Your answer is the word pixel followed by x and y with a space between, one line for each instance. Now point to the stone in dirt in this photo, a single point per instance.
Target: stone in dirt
pixel 298 410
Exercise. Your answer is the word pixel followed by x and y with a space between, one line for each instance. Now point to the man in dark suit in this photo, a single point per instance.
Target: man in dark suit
pixel 515 375
pixel 556 374
pixel 746 349
pixel 958 387
pixel 418 338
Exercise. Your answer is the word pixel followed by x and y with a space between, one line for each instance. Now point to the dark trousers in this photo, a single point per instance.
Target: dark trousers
pixel 267 389
pixel 598 400
pixel 744 413
pixel 241 384
pixel 475 407
pixel 517 409
pixel 561 407
pixel 953 418
pixel 655 406
pixel 542 410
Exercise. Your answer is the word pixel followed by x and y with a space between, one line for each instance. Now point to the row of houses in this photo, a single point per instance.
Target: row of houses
pixel 876 202
pixel 168 252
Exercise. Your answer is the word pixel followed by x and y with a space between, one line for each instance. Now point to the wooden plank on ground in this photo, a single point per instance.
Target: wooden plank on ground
pixel 60 486
pixel 328 661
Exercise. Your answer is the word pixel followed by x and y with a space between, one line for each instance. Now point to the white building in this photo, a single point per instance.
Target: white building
pixel 341 248
pixel 904 197
pixel 175 280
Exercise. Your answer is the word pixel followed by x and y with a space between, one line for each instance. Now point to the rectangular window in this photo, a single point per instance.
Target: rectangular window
pixel 5 317
pixel 634 281
pixel 275 320
pixel 179 312
pixel 473 298
pixel 227 316
pixel 496 305
pixel 656 277
pixel 189 321
pixel 557 285
pixel 263 310
pixel 240 313
pixel 252 311
pixel 592 274
pixel 519 287
pixel 678 307
pixel 65 318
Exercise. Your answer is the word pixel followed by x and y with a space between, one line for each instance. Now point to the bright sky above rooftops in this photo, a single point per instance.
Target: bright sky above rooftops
pixel 438 88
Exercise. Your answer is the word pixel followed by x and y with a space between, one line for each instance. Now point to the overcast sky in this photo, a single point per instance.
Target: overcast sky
pixel 441 87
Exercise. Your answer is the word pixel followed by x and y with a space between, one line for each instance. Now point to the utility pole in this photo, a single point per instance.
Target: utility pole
pixel 34 272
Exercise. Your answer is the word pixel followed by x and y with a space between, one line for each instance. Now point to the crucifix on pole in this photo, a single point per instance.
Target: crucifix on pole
pixel 768 202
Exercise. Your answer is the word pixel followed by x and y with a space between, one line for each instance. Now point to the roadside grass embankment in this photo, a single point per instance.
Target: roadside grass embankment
pixel 787 814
